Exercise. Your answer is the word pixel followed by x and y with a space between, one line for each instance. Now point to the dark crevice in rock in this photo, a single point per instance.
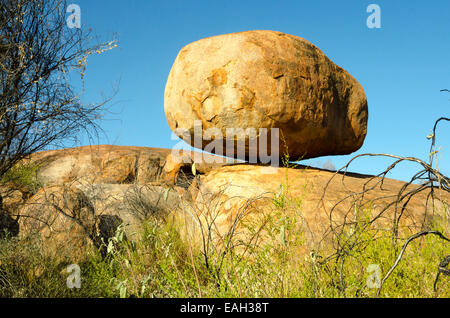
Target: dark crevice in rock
pixel 185 177
pixel 8 226
pixel 107 227
pixel 131 178
pixel 136 166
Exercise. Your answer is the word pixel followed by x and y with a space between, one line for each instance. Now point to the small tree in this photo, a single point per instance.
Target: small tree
pixel 39 107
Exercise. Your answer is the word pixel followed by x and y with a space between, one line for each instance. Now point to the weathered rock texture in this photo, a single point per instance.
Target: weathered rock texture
pixel 115 165
pixel 84 188
pixel 62 217
pixel 267 79
pixel 76 202
pixel 313 196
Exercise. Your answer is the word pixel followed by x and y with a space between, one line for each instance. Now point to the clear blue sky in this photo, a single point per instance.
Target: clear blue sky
pixel 401 66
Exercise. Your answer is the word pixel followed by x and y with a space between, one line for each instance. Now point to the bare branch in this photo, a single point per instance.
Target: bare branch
pixel 399 257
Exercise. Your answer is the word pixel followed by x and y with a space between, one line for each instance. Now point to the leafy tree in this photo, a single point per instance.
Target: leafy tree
pixel 39 105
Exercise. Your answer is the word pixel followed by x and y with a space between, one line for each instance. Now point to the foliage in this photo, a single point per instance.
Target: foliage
pixel 39 105
pixel 23 174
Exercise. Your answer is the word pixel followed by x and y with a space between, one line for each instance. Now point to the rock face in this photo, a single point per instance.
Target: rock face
pixel 115 165
pixel 266 79
pixel 63 218
pixel 77 207
pixel 100 164
pixel 243 191
pixel 87 191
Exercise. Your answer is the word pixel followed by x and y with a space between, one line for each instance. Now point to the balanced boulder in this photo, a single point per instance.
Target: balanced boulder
pixel 262 80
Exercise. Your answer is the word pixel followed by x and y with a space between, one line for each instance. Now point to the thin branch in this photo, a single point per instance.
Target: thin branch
pixel 397 261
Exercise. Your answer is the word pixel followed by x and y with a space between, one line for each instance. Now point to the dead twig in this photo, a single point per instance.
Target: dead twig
pixel 442 268
pixel 409 240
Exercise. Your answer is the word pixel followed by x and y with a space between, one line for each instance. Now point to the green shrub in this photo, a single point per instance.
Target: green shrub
pixel 24 174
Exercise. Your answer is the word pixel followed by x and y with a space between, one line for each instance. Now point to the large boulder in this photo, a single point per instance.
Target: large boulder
pixel 265 79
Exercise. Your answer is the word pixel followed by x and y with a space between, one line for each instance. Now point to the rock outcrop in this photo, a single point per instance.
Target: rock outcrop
pixel 62 217
pixel 116 165
pixel 264 80
pixel 316 198
pixel 75 205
